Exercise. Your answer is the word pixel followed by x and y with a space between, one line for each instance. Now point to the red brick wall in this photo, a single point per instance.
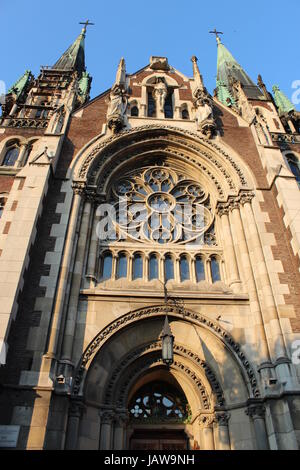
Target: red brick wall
pixel 6 183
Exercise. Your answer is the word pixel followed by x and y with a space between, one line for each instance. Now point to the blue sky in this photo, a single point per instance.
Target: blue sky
pixel 263 36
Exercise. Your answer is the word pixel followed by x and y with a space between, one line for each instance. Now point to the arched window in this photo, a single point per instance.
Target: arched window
pixel 42 113
pixel 169 268
pixel 200 269
pixel 121 266
pixel 184 269
pixel 169 106
pixel 137 271
pixel 294 165
pixel 153 267
pixel 159 402
pixel 106 268
pixel 215 269
pixel 135 111
pixel 185 114
pixel 151 105
pixel 11 156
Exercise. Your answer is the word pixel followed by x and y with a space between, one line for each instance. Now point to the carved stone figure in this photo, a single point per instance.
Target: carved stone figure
pixel 160 92
pixel 117 108
pixel 116 112
pixel 204 113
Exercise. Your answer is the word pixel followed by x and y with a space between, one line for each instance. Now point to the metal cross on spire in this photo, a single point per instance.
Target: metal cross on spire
pixel 86 24
pixel 217 34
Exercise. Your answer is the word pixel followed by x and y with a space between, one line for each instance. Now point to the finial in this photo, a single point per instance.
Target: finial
pixel 121 73
pixel 86 24
pixel 197 75
pixel 217 35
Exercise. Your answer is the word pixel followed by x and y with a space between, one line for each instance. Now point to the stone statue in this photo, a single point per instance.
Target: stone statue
pixel 160 92
pixel 118 101
pixel 204 113
pixel 202 104
pixel 117 106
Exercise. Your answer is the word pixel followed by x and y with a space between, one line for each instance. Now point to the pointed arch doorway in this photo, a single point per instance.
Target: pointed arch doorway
pixel 159 413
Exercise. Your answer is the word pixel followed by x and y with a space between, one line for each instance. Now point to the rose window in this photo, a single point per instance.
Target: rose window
pixel 159 402
pixel 159 205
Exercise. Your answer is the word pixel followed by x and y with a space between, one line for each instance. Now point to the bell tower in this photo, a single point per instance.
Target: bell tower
pixel 35 116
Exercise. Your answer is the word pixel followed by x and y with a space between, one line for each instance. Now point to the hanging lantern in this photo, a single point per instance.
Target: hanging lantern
pixel 167 343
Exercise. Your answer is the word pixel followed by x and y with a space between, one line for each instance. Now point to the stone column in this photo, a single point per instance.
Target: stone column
pixel 193 276
pixel 207 270
pixel 207 432
pixel 69 333
pixel 262 275
pixel 120 430
pixel 257 414
pixel 229 252
pixel 65 267
pixel 75 413
pixel 222 438
pixel 91 278
pixel 249 278
pixel 20 159
pixel 130 259
pixel 114 266
pixel 107 417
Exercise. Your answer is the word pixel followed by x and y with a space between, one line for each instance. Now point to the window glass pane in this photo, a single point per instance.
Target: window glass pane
pixel 137 267
pixel 1 211
pixel 134 111
pixel 295 168
pixel 185 114
pixel 107 266
pixel 169 268
pixel 215 270
pixel 11 156
pixel 200 271
pixel 184 269
pixel 153 267
pixel 151 105
pixel 122 266
pixel 169 106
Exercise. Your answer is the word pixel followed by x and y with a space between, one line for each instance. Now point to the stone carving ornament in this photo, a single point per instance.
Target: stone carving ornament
pixel 160 92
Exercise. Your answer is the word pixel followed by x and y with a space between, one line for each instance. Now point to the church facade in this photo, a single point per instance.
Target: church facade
pixel 149 260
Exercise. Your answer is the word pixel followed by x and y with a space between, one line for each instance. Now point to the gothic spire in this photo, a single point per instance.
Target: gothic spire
pixel 282 102
pixel 121 73
pixel 20 85
pixel 229 70
pixel 197 75
pixel 74 58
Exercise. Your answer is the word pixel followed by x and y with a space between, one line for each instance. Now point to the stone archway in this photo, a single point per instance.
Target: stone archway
pixel 210 369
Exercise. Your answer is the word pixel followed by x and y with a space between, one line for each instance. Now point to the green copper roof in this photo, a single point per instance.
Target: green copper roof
pixel 228 68
pixel 224 94
pixel 84 85
pixel 73 58
pixel 282 102
pixel 19 86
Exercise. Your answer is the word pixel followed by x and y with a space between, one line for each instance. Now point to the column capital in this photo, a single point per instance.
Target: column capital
pixel 107 416
pixel 234 202
pixel 246 197
pixel 76 408
pixel 121 418
pixel 256 411
pixel 79 187
pixel 206 421
pixel 222 418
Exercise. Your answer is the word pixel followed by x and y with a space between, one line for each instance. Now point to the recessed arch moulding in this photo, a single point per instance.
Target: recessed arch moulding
pixel 104 159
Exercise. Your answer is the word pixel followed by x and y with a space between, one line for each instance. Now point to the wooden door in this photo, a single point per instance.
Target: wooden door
pixel 159 440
